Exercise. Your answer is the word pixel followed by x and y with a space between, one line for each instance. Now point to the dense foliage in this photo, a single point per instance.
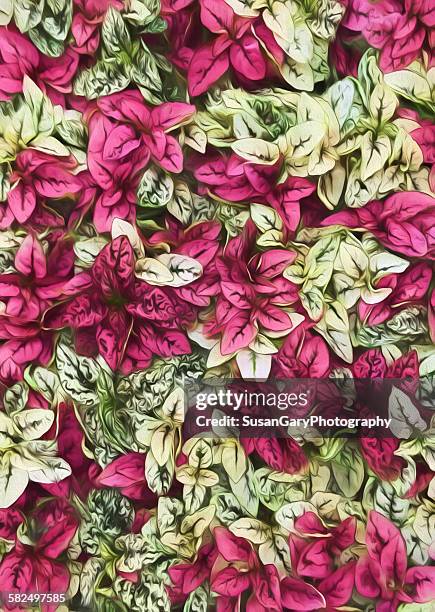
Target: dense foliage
pixel 198 188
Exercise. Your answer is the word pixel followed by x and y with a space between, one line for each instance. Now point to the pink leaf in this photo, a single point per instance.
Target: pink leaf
pixel 22 201
pixel 123 471
pixel 380 532
pixel 230 582
pixel 231 547
pixel 120 142
pixel 274 319
pixel 298 595
pixel 205 69
pixel 315 561
pixel 337 588
pixel 238 333
pixel 30 258
pixel 170 114
pixel 246 58
pixel 421 582
pixel 15 48
pixel 111 335
pixel 126 106
pixel 270 451
pixel 216 16
pixel 172 158
pixel 368 577
pixel 81 311
pixel 275 262
pixel 16 573
pixel 113 269
pixel 309 523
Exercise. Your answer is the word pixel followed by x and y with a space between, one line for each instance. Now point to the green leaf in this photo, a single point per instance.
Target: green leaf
pixel 331 185
pixel 276 552
pixel 319 262
pixel 114 33
pixel 6 11
pixel 288 513
pixel 15 398
pixel 159 477
pixel 142 12
pixel 50 145
pixel 49 470
pixel 181 205
pixel 195 138
pixel 256 151
pixel 72 129
pixel 104 78
pixel 245 490
pixel 313 301
pixel 348 470
pixel 91 569
pixel 300 47
pixel 410 83
pixel 78 375
pixel 374 154
pixel 183 269
pixel 416 550
pixel 351 258
pixel 383 103
pixel 145 72
pixel 228 508
pixel 41 110
pixel 251 529
pixel 13 481
pixel 329 14
pixel 266 218
pixel 46 44
pixel 405 417
pixel 156 188
pixel 197 600
pixel 359 193
pixel 43 381
pixel 424 522
pixel 390 504
pixel 334 327
pixel 34 422
pixel 153 271
pixel 234 460
pixel 253 365
pixel 278 19
pixel 271 493
pixel 341 95
pixel 416 607
pixel 27 14
pixel 304 137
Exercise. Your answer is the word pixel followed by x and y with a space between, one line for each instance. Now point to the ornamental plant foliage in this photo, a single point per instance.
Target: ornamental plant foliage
pixel 200 188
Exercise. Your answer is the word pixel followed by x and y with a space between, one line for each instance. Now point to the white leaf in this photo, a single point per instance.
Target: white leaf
pixel 124 228
pixel 13 481
pixel 34 422
pixel 265 218
pixel 153 271
pixel 54 470
pixel 405 418
pixel 173 406
pixel 261 344
pixel 256 151
pixel 184 269
pixel 198 336
pixel 50 145
pixel 374 154
pixel 253 365
pixel 215 357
